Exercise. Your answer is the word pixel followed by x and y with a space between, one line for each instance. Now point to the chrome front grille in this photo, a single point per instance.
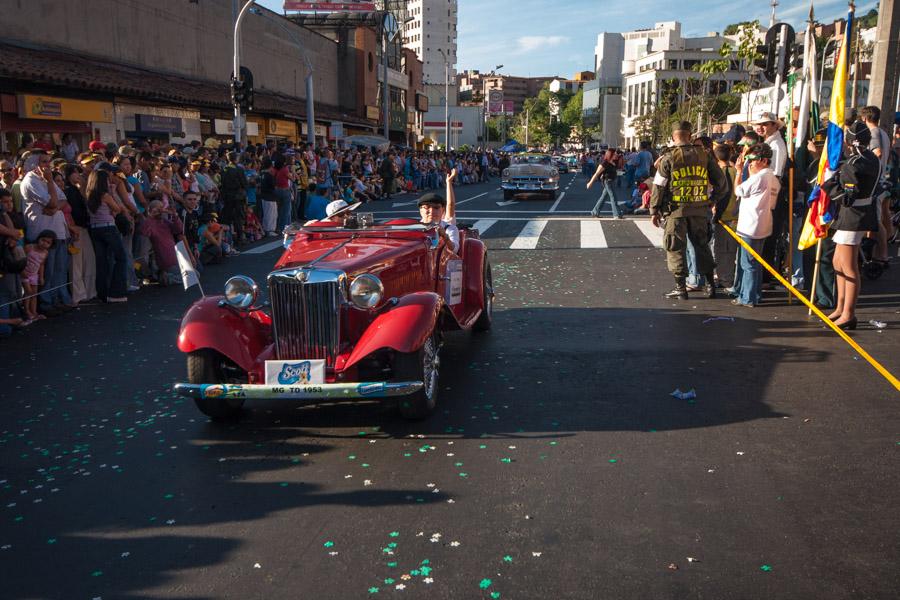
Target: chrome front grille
pixel 306 314
pixel 529 179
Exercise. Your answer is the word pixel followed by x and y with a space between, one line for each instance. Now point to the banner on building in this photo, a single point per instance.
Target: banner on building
pixel 226 127
pixel 63 109
pixel 328 6
pixel 495 102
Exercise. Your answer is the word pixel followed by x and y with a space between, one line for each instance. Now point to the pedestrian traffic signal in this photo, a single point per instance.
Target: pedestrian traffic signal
pixel 796 58
pixel 765 62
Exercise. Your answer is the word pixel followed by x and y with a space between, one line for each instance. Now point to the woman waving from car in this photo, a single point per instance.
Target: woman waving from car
pixel 437 210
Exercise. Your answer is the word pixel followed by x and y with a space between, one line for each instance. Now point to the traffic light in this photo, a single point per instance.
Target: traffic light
pixel 771 67
pixel 796 58
pixel 242 90
pixel 766 60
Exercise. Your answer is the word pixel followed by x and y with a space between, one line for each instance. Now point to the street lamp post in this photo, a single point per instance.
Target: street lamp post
pixel 238 122
pixel 446 100
pixel 822 72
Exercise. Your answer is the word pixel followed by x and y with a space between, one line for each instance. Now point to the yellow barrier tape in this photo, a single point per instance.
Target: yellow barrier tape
pixel 877 365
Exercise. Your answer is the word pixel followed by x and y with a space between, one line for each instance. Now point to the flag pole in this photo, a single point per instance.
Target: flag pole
pixel 815 281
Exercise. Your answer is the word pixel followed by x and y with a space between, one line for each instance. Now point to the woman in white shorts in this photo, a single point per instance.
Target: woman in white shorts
pixel 852 189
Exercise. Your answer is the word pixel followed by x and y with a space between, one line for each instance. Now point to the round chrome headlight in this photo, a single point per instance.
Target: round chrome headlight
pixel 366 291
pixel 241 292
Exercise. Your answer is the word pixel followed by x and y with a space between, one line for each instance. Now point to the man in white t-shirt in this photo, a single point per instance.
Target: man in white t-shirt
pixel 757 197
pixel 880 147
pixel 436 210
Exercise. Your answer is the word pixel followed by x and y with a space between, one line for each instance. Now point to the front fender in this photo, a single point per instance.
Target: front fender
pixel 403 328
pixel 240 336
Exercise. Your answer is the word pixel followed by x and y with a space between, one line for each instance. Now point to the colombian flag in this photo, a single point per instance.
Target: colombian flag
pixel 820 216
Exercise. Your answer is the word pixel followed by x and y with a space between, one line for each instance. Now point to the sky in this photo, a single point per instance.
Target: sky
pixel 543 38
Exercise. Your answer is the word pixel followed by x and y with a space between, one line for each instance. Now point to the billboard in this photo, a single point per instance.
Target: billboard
pixel 495 102
pixel 329 6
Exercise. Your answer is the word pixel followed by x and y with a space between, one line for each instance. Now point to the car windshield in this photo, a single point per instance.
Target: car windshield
pixel 532 159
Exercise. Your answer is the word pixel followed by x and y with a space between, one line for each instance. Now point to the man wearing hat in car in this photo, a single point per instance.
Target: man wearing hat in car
pixel 436 210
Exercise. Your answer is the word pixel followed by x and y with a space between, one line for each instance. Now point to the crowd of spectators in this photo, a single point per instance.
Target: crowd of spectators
pixel 87 227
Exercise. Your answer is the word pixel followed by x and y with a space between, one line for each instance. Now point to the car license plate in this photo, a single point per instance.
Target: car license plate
pixel 295 372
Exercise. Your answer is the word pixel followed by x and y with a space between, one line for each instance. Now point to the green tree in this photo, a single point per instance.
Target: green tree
pixel 735 28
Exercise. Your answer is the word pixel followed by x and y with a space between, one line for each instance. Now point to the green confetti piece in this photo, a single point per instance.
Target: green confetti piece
pixel 415 572
pixel 394 534
pixel 96 573
pixel 373 590
pixel 169 496
pixel 612 460
pixel 392 545
pixel 506 460
pixel 495 595
pixel 389 581
pixel 19 519
pixel 351 457
pixel 425 562
pixel 407 454
pixel 284 484
pixel 459 464
pixel 483 446
pixel 507 558
pixel 554 443
pixel 365 465
pixel 392 564
pixel 51 541
pixel 426 571
pixel 328 544
pixel 765 568
pixel 463 474
pixel 485 584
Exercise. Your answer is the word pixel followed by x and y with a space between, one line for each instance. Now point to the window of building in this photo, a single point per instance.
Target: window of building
pixel 673 64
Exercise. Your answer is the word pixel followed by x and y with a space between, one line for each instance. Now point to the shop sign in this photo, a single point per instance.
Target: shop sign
pixel 328 6
pixel 321 130
pixel 158 124
pixel 337 131
pixel 421 102
pixel 63 109
pixel 281 128
pixel 226 127
pixel 398 119
pixel 373 113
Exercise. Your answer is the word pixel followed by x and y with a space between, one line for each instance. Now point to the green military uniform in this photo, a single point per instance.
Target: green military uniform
pixel 681 194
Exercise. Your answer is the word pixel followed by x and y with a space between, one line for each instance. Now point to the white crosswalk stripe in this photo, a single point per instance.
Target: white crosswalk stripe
pixel 530 235
pixel 592 235
pixel 651 232
pixel 483 225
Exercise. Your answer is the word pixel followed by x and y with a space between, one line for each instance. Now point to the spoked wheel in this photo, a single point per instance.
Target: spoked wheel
pixel 486 319
pixel 208 366
pixel 422 365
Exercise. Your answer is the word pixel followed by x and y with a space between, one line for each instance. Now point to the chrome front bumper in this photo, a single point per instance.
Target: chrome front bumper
pixel 375 389
pixel 529 186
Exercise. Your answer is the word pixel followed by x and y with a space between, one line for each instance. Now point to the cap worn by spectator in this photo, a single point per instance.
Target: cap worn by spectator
pixel 432 198
pixel 89 159
pixel 127 151
pixel 858 134
pixel 734 134
pixel 768 117
pixel 97 146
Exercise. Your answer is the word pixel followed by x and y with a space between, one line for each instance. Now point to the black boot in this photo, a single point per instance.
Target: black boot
pixel 680 290
pixel 710 287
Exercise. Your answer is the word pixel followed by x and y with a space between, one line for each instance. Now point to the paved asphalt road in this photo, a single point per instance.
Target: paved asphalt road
pixel 557 466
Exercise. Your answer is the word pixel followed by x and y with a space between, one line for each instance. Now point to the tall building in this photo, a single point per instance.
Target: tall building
pixel 602 103
pixel 430 30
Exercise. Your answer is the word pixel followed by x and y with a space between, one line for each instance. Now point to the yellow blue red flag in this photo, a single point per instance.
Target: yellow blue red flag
pixel 820 214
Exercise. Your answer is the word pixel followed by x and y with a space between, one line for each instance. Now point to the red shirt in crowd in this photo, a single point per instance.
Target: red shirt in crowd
pixel 282 178
pixel 162 234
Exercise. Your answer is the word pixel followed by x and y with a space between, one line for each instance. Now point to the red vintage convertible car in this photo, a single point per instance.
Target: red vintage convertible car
pixel 354 311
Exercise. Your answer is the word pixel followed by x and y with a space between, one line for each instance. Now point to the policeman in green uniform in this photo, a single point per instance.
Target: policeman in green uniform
pixel 681 197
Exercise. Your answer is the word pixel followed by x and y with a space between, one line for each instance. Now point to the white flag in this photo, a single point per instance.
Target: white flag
pixel 189 275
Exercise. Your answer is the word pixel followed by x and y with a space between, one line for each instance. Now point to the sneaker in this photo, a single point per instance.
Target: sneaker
pixel 114 300
pixel 134 288
pixel 678 292
pixel 737 302
pixel 693 288
pixel 234 252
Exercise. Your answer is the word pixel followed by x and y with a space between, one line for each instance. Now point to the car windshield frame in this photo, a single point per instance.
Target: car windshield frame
pixel 533 159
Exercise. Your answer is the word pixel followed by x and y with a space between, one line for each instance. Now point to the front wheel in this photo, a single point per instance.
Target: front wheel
pixel 421 365
pixel 208 366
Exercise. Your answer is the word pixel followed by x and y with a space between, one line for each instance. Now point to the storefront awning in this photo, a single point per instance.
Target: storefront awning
pixel 36 67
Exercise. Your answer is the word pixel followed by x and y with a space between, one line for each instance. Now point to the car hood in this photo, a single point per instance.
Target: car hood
pixel 350 255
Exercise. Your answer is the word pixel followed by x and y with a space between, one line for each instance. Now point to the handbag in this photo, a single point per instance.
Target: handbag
pixel 123 225
pixel 12 260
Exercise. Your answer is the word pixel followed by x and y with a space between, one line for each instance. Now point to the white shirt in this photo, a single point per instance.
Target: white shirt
pixel 779 153
pixel 452 233
pixel 36 196
pixel 757 198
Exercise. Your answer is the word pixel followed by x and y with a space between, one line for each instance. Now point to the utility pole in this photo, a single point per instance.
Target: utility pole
pixel 855 71
pixel 884 79
pixel 772 18
pixel 446 100
pixel 239 128
pixel 782 47
pixel 527 119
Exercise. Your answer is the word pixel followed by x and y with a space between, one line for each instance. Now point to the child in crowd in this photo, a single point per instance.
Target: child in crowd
pixel 33 275
pixel 252 227
pixel 315 204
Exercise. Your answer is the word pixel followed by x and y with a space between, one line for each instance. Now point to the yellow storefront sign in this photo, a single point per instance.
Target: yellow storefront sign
pixel 280 128
pixel 63 109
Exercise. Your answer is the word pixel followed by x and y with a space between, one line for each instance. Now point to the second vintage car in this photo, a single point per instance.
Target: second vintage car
pixel 530 173
pixel 355 311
